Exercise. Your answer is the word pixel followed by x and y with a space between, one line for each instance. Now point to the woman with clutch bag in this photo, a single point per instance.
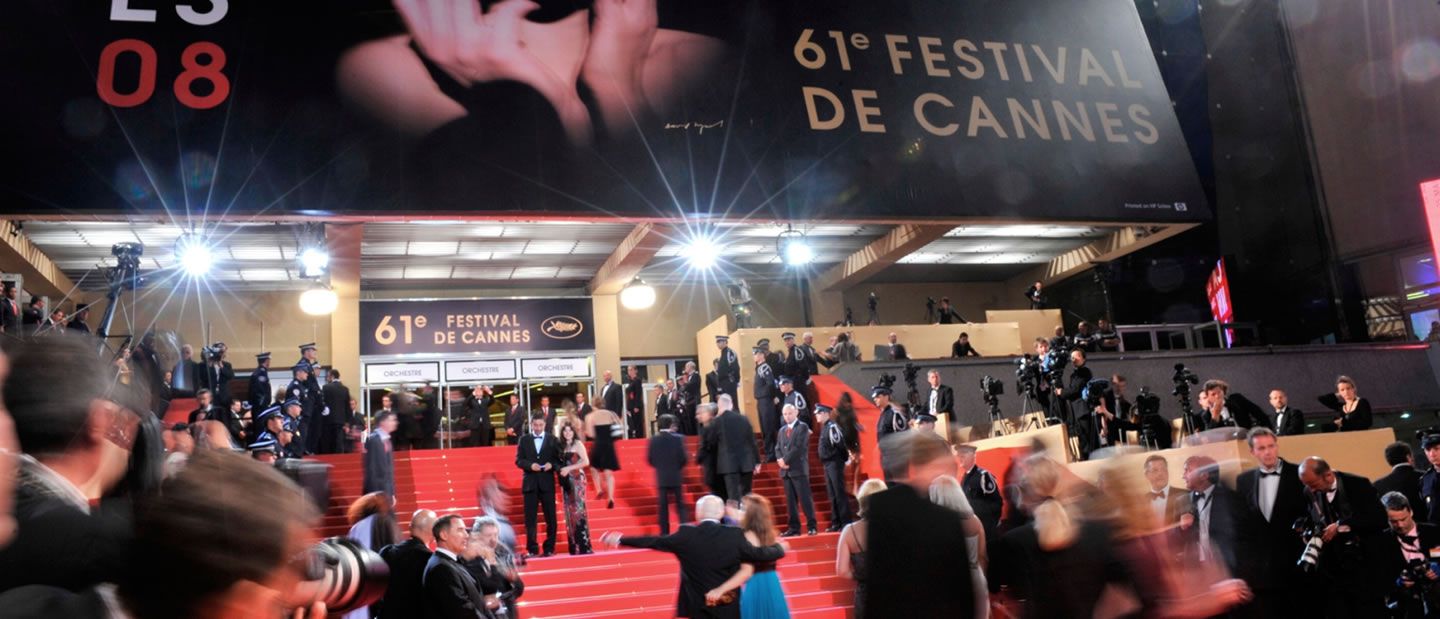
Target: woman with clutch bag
pixel 603 427
pixel 572 481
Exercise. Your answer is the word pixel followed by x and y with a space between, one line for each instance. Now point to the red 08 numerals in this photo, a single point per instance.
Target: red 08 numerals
pixel 194 70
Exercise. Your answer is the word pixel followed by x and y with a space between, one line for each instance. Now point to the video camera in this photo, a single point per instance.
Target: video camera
pixel 1183 378
pixel 213 353
pixel 1096 390
pixel 887 381
pixel 1027 373
pixel 1147 403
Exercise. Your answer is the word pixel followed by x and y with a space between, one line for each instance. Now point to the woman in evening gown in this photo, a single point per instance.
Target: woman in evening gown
pixel 577 524
pixel 601 426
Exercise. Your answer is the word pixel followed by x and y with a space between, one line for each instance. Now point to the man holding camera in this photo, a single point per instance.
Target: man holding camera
pixel 218 374
pixel 1415 594
pixel 1347 517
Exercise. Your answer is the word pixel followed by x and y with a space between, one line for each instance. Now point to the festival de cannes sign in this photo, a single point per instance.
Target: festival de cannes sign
pixel 794 109
pixel 451 326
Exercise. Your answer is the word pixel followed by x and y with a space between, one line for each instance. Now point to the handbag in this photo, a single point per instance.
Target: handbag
pixel 617 431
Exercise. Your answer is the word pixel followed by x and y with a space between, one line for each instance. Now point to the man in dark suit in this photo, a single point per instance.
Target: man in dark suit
pixel 1288 421
pixel 335 414
pixel 712 383
pixel 450 591
pixel 727 368
pixel 258 392
pixel 897 350
pixel 634 403
pixel 405 598
pixel 612 396
pixel 1079 415
pixel 582 406
pixel 792 454
pixel 1225 409
pixel 833 456
pixel 380 457
pixel 941 399
pixel 34 314
pixel 766 401
pixel 1036 295
pixel 708 453
pixel 688 387
pixel 477 417
pixel 539 456
pixel 913 543
pixel 217 374
pixel 1273 499
pixel 1212 523
pixel 736 460
pixel 548 411
pixel 78 321
pixel 709 554
pixel 1352 575
pixel 666 454
pixel 10 312
pixel 515 421
pixel 1414 541
pixel 1168 502
pixel 1429 508
pixel 1403 477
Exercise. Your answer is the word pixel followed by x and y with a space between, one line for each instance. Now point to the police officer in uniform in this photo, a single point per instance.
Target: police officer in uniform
pixel 982 490
pixel 727 370
pixel 258 394
pixel 794 398
pixel 312 404
pixel 1430 481
pixel 270 424
pixel 891 421
pixel 833 456
pixel 766 398
pixel 777 365
pixel 293 425
pixel 812 367
pixel 299 393
pixel 797 362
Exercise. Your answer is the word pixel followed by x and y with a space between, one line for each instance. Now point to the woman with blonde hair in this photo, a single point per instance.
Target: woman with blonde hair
pixel 762 597
pixel 946 491
pixel 1353 411
pixel 850 550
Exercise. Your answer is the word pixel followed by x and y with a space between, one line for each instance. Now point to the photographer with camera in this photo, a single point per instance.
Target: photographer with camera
pixel 1354 548
pixel 217 373
pixel 1415 593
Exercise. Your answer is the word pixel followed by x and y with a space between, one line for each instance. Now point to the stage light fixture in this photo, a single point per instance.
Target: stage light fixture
pixel 194 255
pixel 319 301
pixel 793 248
pixel 314 262
pixel 637 295
pixel 703 252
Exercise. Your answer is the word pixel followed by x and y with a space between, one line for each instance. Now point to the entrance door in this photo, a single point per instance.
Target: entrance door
pixel 563 397
pixel 455 410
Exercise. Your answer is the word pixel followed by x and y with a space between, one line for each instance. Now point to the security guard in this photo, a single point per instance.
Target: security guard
pixel 833 456
pixel 727 371
pixel 891 422
pixel 794 398
pixel 812 366
pixel 777 365
pixel 258 394
pixel 299 392
pixel 766 400
pixel 982 490
pixel 797 362
pixel 293 425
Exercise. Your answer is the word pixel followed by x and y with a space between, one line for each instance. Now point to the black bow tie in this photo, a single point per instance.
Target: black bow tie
pixel 1198 496
pixel 1265 473
pixel 1408 539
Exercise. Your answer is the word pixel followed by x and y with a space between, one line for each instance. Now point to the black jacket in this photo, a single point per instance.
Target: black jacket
pixel 379 466
pixel 944 402
pixel 915 544
pixel 404 598
pixel 336 397
pixel 960 351
pixel 542 482
pixel 1243 414
pixel 259 393
pixel 10 316
pixel 709 553
pixel 898 352
pixel 985 497
pixel 666 454
pixel 1268 549
pixel 217 379
pixel 1226 512
pixel 1405 480
pixel 709 451
pixel 634 396
pixel 689 392
pixel 728 371
pixel 612 397
pixel 477 420
pixel 831 446
pixel 765 388
pixel 450 591
pixel 59 545
pixel 793 445
pixel 1074 388
pixel 1357 506
pixel 1290 422
pixel 517 420
pixel 1359 419
pixel 797 364
pixel 891 421
pixel 737 453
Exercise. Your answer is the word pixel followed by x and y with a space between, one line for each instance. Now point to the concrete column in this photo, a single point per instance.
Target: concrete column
pixel 343 241
pixel 607 334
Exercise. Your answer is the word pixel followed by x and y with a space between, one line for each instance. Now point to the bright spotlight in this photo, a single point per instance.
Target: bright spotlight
pixel 194 255
pixel 637 295
pixel 798 253
pixel 319 301
pixel 313 262
pixel 703 252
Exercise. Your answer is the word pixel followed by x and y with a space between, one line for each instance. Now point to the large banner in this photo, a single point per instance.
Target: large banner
pixel 457 326
pixel 803 109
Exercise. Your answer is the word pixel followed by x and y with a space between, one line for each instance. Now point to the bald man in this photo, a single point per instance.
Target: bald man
pixel 1352 571
pixel 407 562
pixel 1288 421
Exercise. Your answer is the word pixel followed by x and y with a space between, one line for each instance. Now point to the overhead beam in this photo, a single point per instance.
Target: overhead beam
pixel 900 241
pixel 42 276
pixel 1105 249
pixel 629 257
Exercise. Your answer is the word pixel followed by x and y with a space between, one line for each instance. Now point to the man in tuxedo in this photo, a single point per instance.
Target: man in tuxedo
pixel 634 403
pixel 833 456
pixel 1168 502
pixel 548 411
pixel 662 404
pixel 792 454
pixel 941 399
pixel 204 407
pixel 1225 409
pixel 666 454
pixel 1414 542
pixel 897 350
pixel 712 381
pixel 1080 417
pixel 727 368
pixel 258 392
pixel 767 398
pixel 515 421
pixel 1288 421
pixel 689 388
pixel 709 554
pixel 335 414
pixel 379 457
pixel 78 321
pixel 477 417
pixel 1214 512
pixel 450 591
pixel 736 460
pixel 915 549
pixel 10 312
pixel 539 455
pixel 1403 477
pixel 404 598
pixel 1353 578
pixel 186 374
pixel 1273 499
pixel 981 488
pixel 612 397
pixel 34 313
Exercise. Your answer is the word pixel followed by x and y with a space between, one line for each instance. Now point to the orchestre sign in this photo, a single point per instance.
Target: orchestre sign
pixel 476 325
pixel 555 368
pixel 397 373
pixel 480 371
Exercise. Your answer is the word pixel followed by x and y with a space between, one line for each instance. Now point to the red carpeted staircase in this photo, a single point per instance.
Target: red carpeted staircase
pixel 609 583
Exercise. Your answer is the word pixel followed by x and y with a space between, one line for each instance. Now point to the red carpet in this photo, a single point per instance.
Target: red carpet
pixel 609 583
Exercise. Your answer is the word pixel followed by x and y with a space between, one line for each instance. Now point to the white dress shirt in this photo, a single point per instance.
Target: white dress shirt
pixel 1202 506
pixel 1268 487
pixel 1160 504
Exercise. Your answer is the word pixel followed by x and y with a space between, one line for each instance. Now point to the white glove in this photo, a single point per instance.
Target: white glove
pixel 325 412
